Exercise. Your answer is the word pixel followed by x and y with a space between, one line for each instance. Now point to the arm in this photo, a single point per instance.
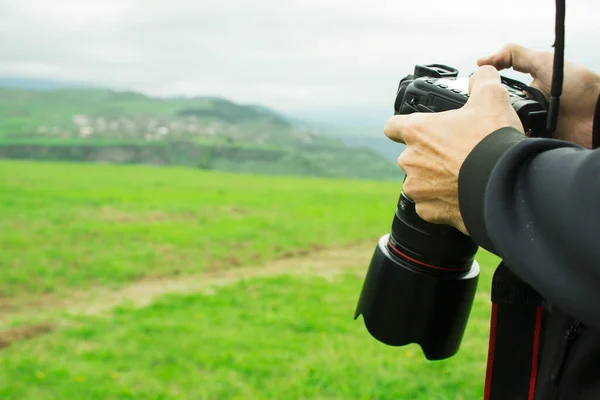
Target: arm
pixel 536 204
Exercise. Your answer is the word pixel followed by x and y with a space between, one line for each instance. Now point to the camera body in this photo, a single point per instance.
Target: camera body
pixel 422 278
pixel 437 88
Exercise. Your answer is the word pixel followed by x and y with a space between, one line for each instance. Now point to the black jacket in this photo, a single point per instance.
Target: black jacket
pixel 536 204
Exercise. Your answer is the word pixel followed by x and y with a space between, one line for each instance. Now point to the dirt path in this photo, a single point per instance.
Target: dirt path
pixel 327 262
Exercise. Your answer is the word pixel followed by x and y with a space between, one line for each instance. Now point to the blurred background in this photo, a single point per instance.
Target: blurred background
pixel 191 191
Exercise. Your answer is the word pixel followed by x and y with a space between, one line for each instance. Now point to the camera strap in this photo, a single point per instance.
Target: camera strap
pixel 536 94
pixel 596 126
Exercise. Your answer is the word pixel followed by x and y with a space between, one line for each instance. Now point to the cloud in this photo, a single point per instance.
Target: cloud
pixel 282 53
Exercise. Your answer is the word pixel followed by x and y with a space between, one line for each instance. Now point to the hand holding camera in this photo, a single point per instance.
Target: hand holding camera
pixel 439 142
pixel 428 258
pixel 580 88
pixel 489 143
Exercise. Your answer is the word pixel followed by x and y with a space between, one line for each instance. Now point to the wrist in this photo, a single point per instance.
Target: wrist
pixel 596 93
pixel 583 128
pixel 592 93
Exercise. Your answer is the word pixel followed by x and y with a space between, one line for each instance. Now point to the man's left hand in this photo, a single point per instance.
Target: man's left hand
pixel 437 144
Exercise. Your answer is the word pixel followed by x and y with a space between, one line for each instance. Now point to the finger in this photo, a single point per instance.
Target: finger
pixel 484 75
pixel 429 211
pixel 437 212
pixel 407 186
pixel 416 186
pixel 402 128
pixel 513 55
pixel 404 161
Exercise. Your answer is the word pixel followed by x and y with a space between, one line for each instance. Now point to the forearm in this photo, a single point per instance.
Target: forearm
pixel 536 204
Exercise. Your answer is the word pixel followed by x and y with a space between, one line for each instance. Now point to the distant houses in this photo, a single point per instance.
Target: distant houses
pixel 178 127
pixel 147 128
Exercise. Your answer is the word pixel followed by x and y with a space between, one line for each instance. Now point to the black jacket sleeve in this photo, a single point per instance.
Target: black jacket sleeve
pixel 536 204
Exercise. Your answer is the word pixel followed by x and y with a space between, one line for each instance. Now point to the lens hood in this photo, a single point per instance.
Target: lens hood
pixel 402 303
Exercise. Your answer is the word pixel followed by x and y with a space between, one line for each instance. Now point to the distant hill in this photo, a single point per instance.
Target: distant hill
pixel 382 145
pixel 360 127
pixel 70 113
pixel 102 125
pixel 21 82
pixel 344 122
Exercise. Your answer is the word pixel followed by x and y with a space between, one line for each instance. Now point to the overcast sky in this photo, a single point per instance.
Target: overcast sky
pixel 286 54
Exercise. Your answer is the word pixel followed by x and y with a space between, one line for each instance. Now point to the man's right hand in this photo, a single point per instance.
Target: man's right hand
pixel 581 88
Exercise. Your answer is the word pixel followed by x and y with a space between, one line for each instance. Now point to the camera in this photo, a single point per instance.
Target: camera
pixel 421 282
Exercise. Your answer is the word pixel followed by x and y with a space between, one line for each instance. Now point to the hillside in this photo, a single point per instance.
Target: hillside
pixel 101 125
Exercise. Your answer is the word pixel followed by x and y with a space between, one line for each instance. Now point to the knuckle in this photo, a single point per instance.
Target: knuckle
pixel 403 158
pixel 408 160
pixel 428 212
pixel 484 73
pixel 513 52
pixel 423 211
pixel 389 127
pixel 493 89
pixel 413 189
pixel 417 120
pixel 409 188
pixel 510 47
pixel 488 69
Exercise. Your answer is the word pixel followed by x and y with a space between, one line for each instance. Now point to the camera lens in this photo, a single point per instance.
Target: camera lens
pixel 423 245
pixel 420 285
pixel 422 277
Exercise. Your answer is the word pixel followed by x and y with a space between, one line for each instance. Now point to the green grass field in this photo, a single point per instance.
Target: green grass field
pixel 71 228
pixel 65 226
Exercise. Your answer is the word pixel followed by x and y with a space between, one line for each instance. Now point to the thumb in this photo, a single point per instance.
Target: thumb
pixel 514 55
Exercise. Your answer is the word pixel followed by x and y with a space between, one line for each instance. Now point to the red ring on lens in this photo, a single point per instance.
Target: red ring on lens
pixel 401 254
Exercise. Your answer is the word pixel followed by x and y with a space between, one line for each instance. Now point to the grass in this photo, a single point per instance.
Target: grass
pixel 66 227
pixel 278 338
pixel 74 226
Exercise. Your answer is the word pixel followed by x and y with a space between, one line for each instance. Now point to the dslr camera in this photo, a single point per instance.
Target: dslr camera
pixel 422 278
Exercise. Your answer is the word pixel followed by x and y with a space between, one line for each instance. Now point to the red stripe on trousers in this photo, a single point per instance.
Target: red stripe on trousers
pixel 490 360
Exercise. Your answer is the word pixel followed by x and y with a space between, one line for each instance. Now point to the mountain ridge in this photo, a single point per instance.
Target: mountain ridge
pixel 34 122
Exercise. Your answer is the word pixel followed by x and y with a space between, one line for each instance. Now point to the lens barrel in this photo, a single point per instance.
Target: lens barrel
pixel 420 285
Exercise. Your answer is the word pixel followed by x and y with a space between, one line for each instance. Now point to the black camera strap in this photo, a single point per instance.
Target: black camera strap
pixel 535 94
pixel 517 309
pixel 596 126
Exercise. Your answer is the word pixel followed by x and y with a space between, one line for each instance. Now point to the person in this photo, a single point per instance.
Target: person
pixel 534 202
